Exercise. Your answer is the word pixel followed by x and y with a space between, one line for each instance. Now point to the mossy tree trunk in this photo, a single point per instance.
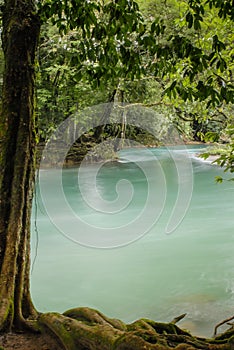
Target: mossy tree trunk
pixel 17 158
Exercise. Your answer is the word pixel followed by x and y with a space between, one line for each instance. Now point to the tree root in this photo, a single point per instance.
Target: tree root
pixel 22 325
pixel 223 322
pixel 88 329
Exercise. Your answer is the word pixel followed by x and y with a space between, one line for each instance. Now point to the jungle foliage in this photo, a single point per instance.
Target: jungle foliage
pixel 176 57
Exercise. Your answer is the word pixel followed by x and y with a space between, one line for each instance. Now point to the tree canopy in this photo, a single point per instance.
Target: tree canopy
pixel 177 57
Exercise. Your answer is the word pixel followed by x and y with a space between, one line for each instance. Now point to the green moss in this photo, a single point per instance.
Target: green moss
pixel 85 328
pixel 92 317
pixel 142 324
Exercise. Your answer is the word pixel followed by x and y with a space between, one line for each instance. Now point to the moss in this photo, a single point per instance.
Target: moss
pixel 7 320
pixel 89 329
pixel 61 329
pixel 130 341
pixel 228 334
pixel 142 324
pixel 75 334
pixel 165 328
pixel 92 317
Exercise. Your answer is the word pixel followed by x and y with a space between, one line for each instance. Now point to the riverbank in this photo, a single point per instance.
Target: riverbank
pixel 88 329
pixel 57 156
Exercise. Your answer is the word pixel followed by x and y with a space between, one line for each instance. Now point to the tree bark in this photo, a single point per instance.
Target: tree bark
pixel 17 158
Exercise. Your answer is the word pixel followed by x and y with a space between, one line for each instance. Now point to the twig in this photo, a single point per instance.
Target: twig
pixel 221 323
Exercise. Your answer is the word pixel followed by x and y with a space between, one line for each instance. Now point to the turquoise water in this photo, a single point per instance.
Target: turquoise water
pixel 143 271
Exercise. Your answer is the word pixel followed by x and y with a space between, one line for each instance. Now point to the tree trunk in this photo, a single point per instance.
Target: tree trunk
pixel 17 158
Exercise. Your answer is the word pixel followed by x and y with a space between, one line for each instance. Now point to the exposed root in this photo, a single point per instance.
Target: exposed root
pixel 29 325
pixel 221 323
pixel 85 328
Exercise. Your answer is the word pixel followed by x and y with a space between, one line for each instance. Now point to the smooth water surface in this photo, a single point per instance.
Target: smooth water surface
pixel 159 275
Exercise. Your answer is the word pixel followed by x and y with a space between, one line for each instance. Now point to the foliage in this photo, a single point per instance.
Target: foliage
pixel 225 154
pixel 107 31
pixel 130 46
pixel 59 93
pixel 176 57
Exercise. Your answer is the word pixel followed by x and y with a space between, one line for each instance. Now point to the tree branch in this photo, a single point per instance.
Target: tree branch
pixel 221 323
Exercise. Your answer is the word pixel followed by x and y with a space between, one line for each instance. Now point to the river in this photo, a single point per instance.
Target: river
pixel 139 262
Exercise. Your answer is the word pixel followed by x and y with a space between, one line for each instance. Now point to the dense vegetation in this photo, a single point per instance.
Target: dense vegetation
pixel 177 59
pixel 180 63
pixel 194 87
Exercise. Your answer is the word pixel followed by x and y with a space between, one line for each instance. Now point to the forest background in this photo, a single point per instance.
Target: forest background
pixel 191 88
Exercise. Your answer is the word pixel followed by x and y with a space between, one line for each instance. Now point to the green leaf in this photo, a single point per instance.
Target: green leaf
pixel 189 19
pixel 211 136
pixel 218 179
pixel 205 155
pixel 197 25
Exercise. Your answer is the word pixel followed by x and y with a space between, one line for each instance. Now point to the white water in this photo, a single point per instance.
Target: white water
pixel 158 276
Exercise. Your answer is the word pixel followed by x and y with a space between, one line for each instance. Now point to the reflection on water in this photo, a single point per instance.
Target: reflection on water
pixel 159 276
